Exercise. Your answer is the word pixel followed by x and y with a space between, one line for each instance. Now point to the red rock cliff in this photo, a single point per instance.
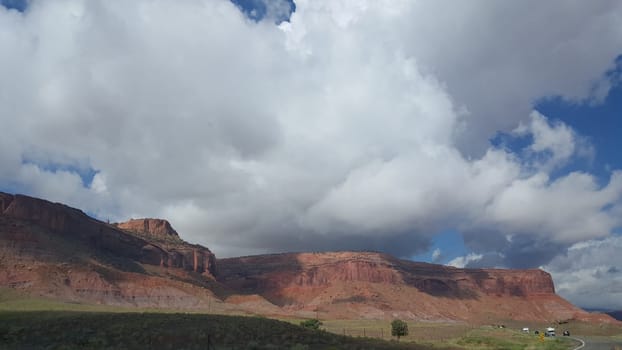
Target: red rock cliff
pixel 154 227
pixel 191 257
pixel 74 224
pixel 374 285
pixel 322 269
pixel 33 246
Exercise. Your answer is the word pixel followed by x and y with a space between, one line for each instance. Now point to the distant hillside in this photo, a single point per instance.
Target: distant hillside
pixel 51 250
pixel 374 285
pixel 54 251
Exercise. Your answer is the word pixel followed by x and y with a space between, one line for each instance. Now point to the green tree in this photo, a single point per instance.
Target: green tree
pixel 311 324
pixel 399 328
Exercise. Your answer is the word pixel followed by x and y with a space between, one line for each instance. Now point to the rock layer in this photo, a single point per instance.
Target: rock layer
pixel 73 224
pixel 374 285
pixel 266 273
pixel 154 227
pixel 53 250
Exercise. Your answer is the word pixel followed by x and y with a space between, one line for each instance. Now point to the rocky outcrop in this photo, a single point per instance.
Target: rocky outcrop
pixel 324 269
pixel 197 259
pixel 73 224
pixel 148 226
pixel 436 278
pixel 70 222
pixel 180 254
pixel 56 251
pixel 374 285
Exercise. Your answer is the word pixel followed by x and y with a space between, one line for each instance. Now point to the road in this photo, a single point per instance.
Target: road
pixel 595 343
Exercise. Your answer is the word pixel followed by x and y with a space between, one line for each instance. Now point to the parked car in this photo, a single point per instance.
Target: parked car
pixel 567 333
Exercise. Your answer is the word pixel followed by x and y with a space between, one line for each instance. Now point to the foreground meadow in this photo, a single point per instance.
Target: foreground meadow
pixel 115 330
pixel 151 330
pixel 43 324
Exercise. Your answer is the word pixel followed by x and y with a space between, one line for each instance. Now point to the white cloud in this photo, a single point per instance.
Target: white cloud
pixel 463 261
pixel 568 209
pixel 358 125
pixel 436 255
pixel 553 145
pixel 497 58
pixel 590 273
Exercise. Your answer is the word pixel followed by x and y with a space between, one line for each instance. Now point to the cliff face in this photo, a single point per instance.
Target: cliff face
pixel 52 250
pixel 190 257
pixel 74 224
pixel 271 272
pixel 374 285
pixel 153 227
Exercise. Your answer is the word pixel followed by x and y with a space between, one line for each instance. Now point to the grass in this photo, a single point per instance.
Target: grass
pixel 490 338
pixel 419 331
pixel 99 330
pixel 451 335
pixel 38 323
pixel 12 301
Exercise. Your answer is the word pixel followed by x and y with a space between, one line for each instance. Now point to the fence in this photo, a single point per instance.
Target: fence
pixel 431 333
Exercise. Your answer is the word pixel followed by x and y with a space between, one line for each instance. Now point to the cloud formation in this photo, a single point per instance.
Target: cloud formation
pixel 355 125
pixel 590 273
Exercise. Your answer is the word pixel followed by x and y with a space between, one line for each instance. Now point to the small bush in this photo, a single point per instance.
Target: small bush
pixel 399 328
pixel 311 324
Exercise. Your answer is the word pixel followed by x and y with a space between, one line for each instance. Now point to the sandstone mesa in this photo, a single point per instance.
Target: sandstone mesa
pixel 52 250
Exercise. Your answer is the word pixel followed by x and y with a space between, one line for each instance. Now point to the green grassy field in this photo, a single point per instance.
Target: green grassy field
pixel 452 335
pixel 490 338
pixel 418 331
pixel 99 330
pixel 118 330
pixel 15 302
pixel 38 323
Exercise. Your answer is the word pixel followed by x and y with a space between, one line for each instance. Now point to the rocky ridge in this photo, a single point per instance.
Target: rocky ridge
pixel 148 226
pixel 52 250
pixel 375 285
pixel 70 222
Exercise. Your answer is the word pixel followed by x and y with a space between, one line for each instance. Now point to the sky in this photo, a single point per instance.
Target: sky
pixel 474 134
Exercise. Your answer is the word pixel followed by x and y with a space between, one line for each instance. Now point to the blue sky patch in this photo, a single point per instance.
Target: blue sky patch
pixel 19 5
pixel 451 245
pixel 85 173
pixel 258 9
pixel 601 124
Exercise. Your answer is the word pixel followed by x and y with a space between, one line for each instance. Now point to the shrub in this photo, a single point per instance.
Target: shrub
pixel 311 324
pixel 399 328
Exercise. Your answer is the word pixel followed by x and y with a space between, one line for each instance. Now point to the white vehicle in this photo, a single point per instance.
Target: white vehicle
pixel 525 330
pixel 550 332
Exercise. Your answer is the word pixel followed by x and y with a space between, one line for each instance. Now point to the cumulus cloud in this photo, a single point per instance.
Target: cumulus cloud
pixel 436 255
pixel 464 261
pixel 590 273
pixel 355 125
pixel 498 58
pixel 553 145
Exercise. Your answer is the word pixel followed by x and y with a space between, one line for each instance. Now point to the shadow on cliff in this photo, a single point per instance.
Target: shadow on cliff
pixel 440 281
pixel 263 275
pixel 43 246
